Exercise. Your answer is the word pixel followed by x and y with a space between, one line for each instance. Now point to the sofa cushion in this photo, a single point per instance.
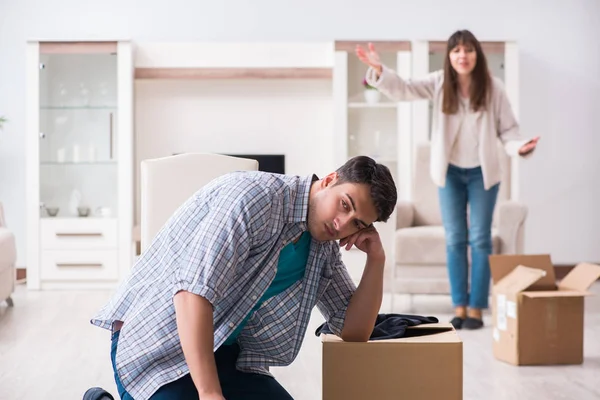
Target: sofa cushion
pixel 426 245
pixel 425 192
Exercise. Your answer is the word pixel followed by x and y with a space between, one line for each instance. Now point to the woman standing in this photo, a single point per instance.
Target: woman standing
pixel 470 113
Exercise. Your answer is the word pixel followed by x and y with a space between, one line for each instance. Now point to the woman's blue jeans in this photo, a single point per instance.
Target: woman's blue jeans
pixel 465 186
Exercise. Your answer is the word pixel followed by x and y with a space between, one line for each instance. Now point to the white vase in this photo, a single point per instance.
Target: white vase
pixel 372 96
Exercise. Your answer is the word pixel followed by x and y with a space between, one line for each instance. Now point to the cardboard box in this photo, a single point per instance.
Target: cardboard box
pixel 536 321
pixel 428 366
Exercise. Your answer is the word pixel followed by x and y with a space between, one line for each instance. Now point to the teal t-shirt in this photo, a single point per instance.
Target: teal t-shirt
pixel 290 269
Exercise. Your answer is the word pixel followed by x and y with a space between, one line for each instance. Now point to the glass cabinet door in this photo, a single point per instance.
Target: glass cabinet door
pixel 78 136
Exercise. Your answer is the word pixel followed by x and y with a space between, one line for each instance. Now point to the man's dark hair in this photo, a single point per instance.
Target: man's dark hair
pixel 365 170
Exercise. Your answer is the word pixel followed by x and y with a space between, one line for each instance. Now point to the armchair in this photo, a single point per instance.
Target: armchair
pixel 8 256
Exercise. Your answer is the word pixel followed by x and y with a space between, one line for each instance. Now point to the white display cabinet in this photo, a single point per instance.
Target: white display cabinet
pixel 79 163
pixel 372 126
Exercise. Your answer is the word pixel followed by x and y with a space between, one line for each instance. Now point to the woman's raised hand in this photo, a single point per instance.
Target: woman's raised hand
pixel 369 57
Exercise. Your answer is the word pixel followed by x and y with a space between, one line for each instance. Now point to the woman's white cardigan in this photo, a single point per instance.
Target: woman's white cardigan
pixel 497 121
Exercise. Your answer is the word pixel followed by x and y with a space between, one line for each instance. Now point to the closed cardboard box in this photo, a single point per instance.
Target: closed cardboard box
pixel 427 365
pixel 537 321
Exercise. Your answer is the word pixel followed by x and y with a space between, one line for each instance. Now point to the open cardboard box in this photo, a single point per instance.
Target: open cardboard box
pixel 537 321
pixel 426 365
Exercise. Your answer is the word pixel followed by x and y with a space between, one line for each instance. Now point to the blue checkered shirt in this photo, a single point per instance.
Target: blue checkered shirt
pixel 223 244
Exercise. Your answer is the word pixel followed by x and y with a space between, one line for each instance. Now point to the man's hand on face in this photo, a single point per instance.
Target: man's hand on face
pixel 366 240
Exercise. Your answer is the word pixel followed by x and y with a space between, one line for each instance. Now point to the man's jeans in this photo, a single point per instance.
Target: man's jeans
pixel 466 186
pixel 236 385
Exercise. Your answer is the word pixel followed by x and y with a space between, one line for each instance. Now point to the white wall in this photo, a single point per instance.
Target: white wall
pixel 560 88
pixel 290 117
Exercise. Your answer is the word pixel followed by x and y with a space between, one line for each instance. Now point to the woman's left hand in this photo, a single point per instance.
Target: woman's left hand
pixel 529 146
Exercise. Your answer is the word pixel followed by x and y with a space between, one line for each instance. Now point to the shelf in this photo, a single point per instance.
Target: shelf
pixel 488 47
pixel 233 73
pixel 385 160
pixel 77 108
pixel 78 47
pixel 61 218
pixel 107 162
pixel 381 46
pixel 374 105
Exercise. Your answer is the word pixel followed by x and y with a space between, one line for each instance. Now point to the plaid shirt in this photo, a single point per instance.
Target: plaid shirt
pixel 223 244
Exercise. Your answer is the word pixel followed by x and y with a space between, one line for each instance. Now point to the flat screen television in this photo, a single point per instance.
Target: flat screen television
pixel 266 162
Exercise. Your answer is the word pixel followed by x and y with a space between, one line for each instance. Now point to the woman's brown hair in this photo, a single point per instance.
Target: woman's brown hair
pixel 481 83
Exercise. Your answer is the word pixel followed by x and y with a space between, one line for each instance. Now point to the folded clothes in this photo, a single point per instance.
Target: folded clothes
pixel 389 326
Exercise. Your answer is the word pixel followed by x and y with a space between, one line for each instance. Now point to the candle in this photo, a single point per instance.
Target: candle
pixel 75 153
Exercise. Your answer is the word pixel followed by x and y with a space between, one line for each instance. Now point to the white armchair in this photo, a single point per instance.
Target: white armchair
pixel 166 183
pixel 8 256
pixel 420 244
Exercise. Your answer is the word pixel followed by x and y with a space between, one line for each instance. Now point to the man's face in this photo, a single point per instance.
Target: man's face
pixel 339 210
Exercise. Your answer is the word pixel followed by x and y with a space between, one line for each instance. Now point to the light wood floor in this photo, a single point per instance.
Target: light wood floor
pixel 48 349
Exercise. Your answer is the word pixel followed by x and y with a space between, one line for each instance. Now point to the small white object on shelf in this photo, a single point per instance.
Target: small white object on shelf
pixel 92 153
pixel 377 141
pixel 74 201
pixel 103 212
pixel 60 155
pixel 372 96
pixel 75 153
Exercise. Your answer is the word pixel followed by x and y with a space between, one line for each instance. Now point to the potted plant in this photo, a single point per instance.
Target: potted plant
pixel 372 95
pixel 2 121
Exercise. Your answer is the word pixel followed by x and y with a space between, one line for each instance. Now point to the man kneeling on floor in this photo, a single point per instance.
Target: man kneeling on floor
pixel 226 288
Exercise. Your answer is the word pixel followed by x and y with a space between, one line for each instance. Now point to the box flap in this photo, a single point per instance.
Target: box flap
pixel 555 294
pixel 581 277
pixel 519 279
pixel 502 265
